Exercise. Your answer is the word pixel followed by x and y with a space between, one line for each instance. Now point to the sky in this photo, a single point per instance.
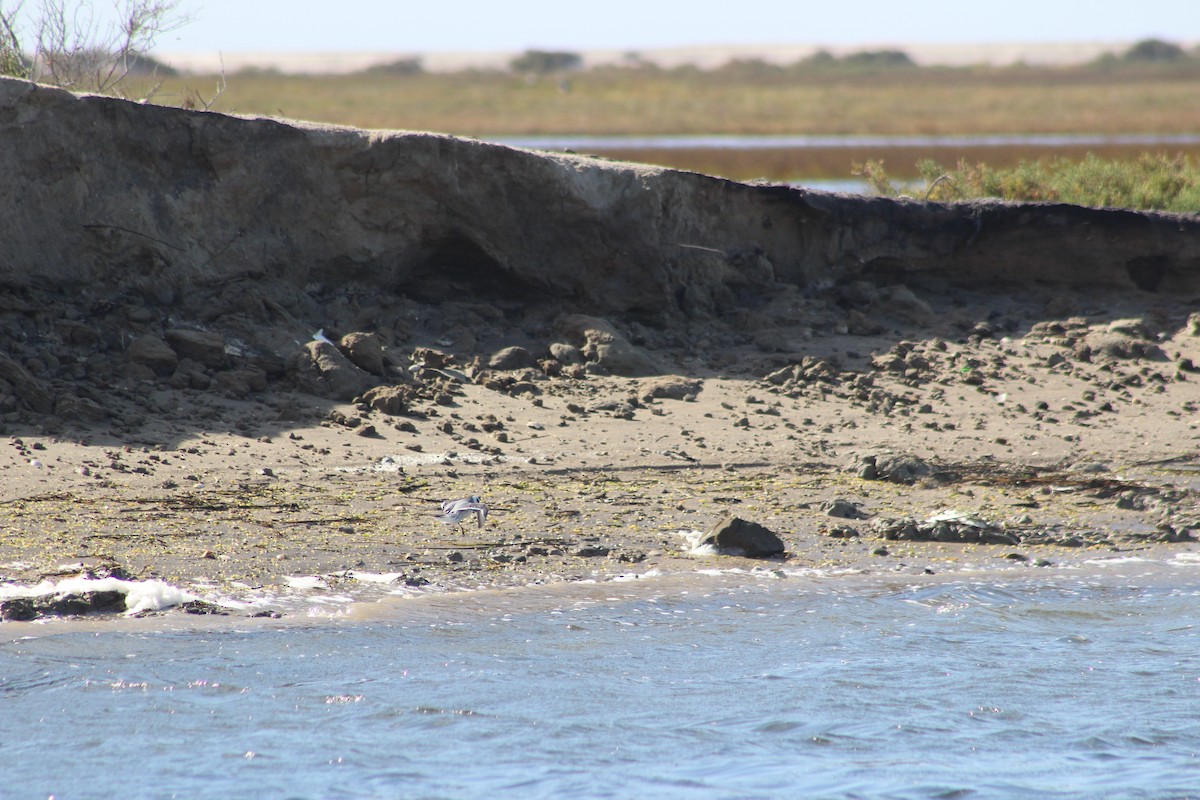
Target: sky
pixel 405 26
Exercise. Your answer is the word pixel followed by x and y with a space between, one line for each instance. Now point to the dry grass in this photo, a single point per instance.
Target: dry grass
pixel 913 102
pixel 826 163
pixel 906 102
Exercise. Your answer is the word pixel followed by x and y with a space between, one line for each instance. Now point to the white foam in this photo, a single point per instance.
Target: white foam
pixel 140 596
pixel 305 582
pixel 695 543
pixel 1117 560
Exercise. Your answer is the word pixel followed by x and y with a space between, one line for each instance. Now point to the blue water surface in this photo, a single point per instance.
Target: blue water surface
pixel 718 686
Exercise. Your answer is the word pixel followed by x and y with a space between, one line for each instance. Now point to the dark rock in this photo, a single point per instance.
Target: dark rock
pixel 859 324
pixel 736 536
pixel 511 358
pixel 365 351
pixel 232 384
pixel 18 609
pixel 73 407
pixel 202 607
pixel 321 369
pixel 153 352
pixel 66 605
pixel 203 346
pixel 432 358
pixel 190 375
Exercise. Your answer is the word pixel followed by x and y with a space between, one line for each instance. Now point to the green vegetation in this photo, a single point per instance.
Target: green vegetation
pixel 543 61
pixel 1156 182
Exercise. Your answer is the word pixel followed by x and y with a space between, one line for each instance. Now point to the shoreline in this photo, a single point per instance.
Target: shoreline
pixel 1158 566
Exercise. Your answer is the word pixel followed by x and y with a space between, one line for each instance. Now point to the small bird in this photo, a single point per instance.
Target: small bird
pixel 455 511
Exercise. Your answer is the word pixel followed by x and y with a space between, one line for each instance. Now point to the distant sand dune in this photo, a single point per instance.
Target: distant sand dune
pixel 705 56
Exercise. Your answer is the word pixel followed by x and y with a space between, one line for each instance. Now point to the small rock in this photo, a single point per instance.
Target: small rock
pixel 843 509
pixel 429 357
pixel 391 400
pixel 671 387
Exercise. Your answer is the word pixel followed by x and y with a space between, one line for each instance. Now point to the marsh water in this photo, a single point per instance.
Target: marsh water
pixel 1060 683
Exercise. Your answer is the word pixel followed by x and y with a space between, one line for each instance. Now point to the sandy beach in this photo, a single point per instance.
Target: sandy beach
pixel 1055 439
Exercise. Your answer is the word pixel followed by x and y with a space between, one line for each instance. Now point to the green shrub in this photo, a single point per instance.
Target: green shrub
pixel 1150 182
pixel 1155 51
pixel 543 61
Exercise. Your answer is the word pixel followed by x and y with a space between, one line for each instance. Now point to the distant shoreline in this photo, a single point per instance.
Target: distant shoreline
pixel 703 56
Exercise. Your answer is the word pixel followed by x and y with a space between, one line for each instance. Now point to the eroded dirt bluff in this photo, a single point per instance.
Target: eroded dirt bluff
pixel 99 191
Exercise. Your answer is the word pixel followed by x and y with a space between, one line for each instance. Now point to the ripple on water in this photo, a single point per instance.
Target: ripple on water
pixel 714 687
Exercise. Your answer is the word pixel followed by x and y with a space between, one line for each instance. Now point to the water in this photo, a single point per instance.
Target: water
pixel 1036 683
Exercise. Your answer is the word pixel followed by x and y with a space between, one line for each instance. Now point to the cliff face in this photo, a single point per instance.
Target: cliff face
pixel 147 249
pixel 104 191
